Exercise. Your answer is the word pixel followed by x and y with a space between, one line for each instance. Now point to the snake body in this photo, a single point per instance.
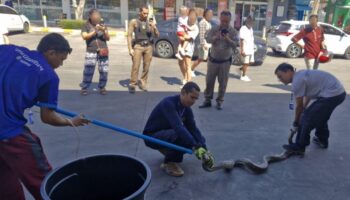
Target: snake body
pixel 247 164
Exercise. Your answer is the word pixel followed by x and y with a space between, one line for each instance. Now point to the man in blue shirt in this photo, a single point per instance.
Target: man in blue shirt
pixel 172 121
pixel 28 77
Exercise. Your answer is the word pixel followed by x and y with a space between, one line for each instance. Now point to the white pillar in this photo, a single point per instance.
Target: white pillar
pixel 124 11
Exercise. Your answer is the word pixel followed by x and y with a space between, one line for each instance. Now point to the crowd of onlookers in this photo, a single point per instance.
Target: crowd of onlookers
pixel 140 37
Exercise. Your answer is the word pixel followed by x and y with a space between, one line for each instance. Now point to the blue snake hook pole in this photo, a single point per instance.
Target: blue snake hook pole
pixel 118 129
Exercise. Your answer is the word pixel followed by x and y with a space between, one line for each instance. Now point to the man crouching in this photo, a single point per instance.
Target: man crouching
pixel 172 121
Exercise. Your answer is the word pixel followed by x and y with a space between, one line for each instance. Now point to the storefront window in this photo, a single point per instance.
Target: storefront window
pixel 108 4
pixel 255 9
pixel 54 3
pixel 134 6
pixel 52 9
pixel 110 10
pixel 213 4
pixel 29 2
pixel 203 4
pixel 158 8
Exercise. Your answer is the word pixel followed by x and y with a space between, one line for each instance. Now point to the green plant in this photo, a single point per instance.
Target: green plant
pixel 71 24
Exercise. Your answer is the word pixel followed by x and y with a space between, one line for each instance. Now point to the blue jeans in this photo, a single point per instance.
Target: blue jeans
pixel 316 117
pixel 172 137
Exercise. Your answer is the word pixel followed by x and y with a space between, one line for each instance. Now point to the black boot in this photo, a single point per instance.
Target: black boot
pixel 205 104
pixel 321 144
pixel 219 105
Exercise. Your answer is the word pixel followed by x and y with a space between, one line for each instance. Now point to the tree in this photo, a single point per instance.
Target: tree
pixel 78 8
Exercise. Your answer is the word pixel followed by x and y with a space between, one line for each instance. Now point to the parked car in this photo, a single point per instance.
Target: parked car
pixel 336 40
pixel 13 21
pixel 165 46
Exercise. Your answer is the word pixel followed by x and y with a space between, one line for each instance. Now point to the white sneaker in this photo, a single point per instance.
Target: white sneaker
pixel 178 56
pixel 245 78
pixel 193 74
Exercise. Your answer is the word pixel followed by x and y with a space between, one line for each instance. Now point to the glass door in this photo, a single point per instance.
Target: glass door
pixel 257 10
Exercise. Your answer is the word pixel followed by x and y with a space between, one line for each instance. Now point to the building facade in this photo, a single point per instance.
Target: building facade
pixel 117 12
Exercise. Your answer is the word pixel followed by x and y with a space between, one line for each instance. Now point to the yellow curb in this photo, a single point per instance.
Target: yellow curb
pixel 69 31
pixel 112 33
pixel 45 30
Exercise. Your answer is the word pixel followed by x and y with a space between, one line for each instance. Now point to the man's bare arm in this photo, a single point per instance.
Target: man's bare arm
pixel 131 29
pixel 299 109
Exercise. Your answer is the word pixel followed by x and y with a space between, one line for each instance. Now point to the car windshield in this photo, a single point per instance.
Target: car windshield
pixel 284 27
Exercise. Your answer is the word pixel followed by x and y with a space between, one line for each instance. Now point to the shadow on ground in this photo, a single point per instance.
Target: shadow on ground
pixel 171 80
pixel 124 83
pixel 279 86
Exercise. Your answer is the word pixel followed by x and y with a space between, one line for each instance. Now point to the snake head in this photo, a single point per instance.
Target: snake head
pixel 208 161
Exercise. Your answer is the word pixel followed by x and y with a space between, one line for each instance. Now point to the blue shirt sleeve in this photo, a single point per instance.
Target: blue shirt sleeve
pixel 2 51
pixel 192 127
pixel 169 111
pixel 48 92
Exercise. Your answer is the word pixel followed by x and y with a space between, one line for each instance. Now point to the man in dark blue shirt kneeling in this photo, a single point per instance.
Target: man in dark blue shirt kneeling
pixel 172 121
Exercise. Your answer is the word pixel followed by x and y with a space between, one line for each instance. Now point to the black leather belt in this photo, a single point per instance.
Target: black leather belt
pixel 217 61
pixel 143 43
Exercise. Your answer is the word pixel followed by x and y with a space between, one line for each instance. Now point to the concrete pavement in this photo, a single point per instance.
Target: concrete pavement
pixel 254 122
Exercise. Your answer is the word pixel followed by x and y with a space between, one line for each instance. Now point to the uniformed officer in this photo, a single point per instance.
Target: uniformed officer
pixel 223 39
pixel 144 30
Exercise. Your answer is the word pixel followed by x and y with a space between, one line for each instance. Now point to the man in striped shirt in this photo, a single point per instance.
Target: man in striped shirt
pixel 203 49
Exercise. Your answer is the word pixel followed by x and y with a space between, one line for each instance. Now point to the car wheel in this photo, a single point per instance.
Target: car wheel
pixel 276 52
pixel 26 27
pixel 293 51
pixel 164 49
pixel 236 58
pixel 347 53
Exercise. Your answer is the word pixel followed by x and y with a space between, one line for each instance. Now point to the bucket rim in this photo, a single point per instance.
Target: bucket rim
pixel 137 192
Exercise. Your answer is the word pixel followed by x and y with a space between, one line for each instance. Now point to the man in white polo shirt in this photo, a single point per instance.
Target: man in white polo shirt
pixel 247 47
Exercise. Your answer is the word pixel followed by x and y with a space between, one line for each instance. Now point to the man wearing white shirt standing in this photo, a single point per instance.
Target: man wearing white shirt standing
pixel 3 35
pixel 186 62
pixel 247 47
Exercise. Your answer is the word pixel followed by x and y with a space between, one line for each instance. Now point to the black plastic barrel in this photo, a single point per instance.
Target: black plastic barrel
pixel 101 177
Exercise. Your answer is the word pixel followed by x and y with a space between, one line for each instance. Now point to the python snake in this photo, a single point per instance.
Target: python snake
pixel 247 164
